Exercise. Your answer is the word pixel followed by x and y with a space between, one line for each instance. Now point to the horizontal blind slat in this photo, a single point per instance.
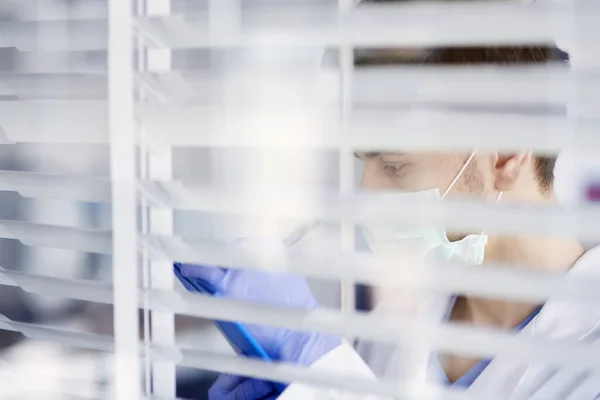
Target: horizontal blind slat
pixel 526 89
pixel 83 35
pixel 64 121
pixel 76 289
pixel 41 185
pixel 397 26
pixel 55 121
pixel 32 234
pixel 51 62
pixel 53 86
pixel 190 357
pixel 495 281
pixel 43 10
pixel 311 128
pixel 404 25
pixel 528 92
pixel 475 342
pixel 459 216
pixel 458 339
pixel 59 335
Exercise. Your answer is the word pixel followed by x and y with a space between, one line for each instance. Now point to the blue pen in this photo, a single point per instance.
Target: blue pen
pixel 236 333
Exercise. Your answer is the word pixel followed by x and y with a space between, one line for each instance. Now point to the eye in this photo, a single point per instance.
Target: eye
pixel 393 168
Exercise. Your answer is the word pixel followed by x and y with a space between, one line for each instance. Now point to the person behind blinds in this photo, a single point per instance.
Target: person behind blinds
pixel 517 178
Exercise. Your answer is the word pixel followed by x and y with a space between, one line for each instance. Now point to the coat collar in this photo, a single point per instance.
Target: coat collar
pixel 558 319
pixel 568 319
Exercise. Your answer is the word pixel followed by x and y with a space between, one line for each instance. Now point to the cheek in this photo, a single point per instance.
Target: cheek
pixel 418 179
pixel 429 171
pixel 475 183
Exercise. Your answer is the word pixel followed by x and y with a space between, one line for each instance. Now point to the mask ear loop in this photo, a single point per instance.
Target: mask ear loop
pixel 496 203
pixel 460 172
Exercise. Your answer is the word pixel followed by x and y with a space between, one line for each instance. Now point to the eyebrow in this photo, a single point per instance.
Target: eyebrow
pixel 370 154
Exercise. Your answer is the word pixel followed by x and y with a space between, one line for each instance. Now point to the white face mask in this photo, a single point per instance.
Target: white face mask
pixel 386 239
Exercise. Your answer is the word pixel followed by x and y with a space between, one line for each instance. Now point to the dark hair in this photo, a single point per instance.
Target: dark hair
pixel 498 55
pixel 544 165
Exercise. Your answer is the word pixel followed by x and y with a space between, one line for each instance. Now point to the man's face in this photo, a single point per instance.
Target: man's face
pixel 423 171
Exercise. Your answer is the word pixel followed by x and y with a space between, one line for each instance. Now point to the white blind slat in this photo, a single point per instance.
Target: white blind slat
pixel 322 205
pixel 288 127
pixel 475 342
pixel 31 234
pixel 40 185
pixel 210 361
pixel 55 121
pixel 59 335
pixel 76 35
pixel 397 26
pixel 28 86
pixel 493 282
pixel 422 25
pixel 63 121
pixel 49 286
pixel 43 10
pixel 516 86
pixel 52 62
pixel 537 89
pixel 457 339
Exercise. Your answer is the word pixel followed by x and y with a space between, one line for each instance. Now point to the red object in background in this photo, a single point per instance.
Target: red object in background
pixel 593 192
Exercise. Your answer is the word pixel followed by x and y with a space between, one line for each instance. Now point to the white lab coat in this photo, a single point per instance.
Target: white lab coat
pixel 504 377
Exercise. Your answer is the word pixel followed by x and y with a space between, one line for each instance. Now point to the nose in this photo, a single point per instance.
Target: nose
pixel 374 176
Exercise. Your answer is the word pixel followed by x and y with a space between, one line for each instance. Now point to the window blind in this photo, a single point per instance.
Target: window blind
pixel 126 75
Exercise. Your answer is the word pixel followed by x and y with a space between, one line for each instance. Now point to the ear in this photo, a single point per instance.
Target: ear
pixel 509 168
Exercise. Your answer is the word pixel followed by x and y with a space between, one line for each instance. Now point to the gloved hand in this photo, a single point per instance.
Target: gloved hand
pixel 281 344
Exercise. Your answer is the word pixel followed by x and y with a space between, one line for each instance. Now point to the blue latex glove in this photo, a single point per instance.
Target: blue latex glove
pixel 283 290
